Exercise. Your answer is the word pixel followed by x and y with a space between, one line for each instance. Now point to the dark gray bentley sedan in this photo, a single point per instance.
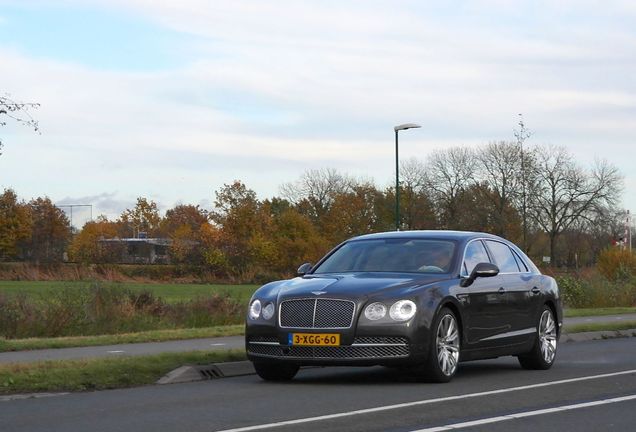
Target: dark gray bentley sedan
pixel 424 300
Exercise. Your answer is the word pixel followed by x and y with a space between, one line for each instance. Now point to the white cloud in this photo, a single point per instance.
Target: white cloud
pixel 278 87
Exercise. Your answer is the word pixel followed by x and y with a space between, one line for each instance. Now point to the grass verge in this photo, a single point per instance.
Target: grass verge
pixel 569 313
pixel 607 326
pixel 101 374
pixel 140 337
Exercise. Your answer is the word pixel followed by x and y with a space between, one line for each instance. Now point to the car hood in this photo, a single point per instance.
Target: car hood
pixel 355 285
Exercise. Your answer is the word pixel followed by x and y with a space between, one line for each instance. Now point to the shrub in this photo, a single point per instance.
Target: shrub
pixel 572 291
pixel 616 264
pixel 101 309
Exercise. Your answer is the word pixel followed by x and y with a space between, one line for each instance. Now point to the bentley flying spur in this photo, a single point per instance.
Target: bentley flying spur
pixel 419 300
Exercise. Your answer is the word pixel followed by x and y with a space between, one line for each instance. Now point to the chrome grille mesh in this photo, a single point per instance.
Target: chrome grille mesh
pixel 362 348
pixel 316 313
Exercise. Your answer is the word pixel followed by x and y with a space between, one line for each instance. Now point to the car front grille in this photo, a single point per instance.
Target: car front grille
pixel 317 313
pixel 362 348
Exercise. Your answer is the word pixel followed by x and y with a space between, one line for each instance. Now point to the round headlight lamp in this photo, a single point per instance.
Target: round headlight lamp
pixel 268 311
pixel 402 310
pixel 255 309
pixel 375 311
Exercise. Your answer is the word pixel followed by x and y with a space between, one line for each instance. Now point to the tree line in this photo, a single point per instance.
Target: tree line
pixel 537 196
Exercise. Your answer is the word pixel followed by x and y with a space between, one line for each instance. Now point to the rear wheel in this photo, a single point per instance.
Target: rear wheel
pixel 443 358
pixel 544 350
pixel 272 371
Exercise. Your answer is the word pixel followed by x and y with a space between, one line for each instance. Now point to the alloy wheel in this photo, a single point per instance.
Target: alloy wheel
pixel 547 336
pixel 447 345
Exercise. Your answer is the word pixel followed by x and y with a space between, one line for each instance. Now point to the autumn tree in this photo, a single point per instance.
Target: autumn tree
pixel 86 247
pixel 241 242
pixel 353 213
pixel 144 217
pixel 15 225
pixel 182 224
pixel 50 232
pixel 295 238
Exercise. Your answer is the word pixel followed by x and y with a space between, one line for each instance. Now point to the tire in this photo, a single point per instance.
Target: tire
pixel 271 371
pixel 544 351
pixel 443 358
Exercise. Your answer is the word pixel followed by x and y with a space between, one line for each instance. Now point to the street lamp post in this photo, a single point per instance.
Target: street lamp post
pixel 397 171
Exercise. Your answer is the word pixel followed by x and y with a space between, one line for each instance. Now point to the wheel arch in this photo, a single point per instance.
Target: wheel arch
pixel 550 303
pixel 454 307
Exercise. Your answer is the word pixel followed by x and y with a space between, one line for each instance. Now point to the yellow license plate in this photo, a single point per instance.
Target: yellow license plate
pixel 314 339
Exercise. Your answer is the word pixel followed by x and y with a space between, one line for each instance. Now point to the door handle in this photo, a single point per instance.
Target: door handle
pixel 502 290
pixel 535 290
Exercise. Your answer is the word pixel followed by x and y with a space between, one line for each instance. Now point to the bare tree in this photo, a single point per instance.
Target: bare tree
pixel 450 172
pixel 501 173
pixel 416 206
pixel 567 193
pixel 317 189
pixel 17 111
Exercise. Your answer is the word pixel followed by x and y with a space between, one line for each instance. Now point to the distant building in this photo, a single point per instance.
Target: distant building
pixel 138 250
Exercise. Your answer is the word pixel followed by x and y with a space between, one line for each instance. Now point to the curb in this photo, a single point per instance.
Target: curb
pixel 598 335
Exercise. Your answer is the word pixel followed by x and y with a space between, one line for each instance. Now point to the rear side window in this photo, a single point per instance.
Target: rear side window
pixel 503 256
pixel 475 254
pixel 522 265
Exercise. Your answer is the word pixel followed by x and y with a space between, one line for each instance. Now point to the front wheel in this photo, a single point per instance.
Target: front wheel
pixel 272 371
pixel 443 358
pixel 544 350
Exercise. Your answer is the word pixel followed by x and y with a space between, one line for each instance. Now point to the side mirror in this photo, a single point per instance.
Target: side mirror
pixel 304 269
pixel 481 270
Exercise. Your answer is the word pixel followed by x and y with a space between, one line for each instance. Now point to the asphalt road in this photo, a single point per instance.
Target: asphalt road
pixel 593 385
pixel 190 345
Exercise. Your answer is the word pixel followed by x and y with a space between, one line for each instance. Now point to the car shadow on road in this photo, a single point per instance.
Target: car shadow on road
pixel 384 375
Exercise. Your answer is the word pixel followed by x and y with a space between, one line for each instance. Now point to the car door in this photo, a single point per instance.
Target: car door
pixel 519 324
pixel 484 301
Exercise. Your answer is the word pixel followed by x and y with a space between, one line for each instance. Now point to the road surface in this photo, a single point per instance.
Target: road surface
pixel 592 387
pixel 230 342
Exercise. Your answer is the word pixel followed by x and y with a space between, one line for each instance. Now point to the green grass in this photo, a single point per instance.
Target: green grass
pixel 569 313
pixel 608 326
pixel 170 292
pixel 147 336
pixel 99 374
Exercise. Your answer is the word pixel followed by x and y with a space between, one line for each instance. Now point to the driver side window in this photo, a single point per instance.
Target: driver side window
pixel 475 254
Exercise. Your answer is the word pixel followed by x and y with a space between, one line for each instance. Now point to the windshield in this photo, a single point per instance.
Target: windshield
pixel 390 255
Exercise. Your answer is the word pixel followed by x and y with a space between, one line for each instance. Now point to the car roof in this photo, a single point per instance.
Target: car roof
pixel 428 234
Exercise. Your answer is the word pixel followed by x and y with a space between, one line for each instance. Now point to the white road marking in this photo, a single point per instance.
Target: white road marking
pixel 217 344
pixel 424 402
pixel 115 352
pixel 526 414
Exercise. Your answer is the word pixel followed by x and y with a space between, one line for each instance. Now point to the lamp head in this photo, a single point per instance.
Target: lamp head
pixel 406 126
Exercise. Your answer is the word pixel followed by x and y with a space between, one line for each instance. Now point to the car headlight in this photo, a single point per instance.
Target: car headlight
pixel 375 311
pixel 268 311
pixel 255 309
pixel 402 310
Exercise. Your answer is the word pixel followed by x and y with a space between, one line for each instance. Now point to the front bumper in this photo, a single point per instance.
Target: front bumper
pixel 362 351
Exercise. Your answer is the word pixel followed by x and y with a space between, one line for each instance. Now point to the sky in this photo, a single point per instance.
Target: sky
pixel 170 100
